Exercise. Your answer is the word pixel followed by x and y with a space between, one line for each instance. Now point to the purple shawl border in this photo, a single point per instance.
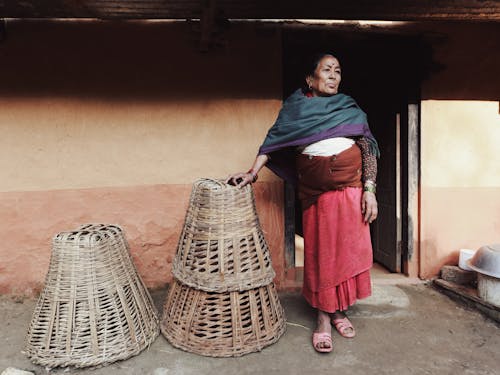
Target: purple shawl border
pixel 282 161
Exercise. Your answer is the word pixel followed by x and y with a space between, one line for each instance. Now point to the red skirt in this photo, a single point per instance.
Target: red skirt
pixel 337 251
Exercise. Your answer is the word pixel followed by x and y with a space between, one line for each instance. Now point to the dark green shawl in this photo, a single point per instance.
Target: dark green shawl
pixel 304 120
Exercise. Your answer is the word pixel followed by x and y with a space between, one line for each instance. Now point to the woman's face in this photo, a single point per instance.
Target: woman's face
pixel 326 78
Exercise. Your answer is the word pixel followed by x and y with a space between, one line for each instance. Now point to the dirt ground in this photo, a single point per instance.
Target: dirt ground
pixel 401 329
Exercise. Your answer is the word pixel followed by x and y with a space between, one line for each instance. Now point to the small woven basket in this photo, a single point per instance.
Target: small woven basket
pixel 222 247
pixel 94 308
pixel 222 324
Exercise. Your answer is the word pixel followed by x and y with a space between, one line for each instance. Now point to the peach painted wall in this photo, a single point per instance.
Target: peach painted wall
pixel 460 203
pixel 126 104
pixel 113 122
pixel 460 138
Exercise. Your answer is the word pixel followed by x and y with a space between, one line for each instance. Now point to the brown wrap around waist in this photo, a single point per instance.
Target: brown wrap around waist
pixel 318 174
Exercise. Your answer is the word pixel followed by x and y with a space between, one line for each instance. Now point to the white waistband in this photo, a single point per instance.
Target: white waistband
pixel 328 147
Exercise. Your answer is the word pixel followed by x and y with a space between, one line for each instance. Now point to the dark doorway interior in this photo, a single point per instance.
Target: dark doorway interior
pixel 382 72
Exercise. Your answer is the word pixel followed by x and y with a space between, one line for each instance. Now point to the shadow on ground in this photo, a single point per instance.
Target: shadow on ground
pixel 401 329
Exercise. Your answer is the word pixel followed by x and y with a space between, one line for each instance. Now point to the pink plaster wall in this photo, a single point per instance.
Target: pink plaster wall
pixel 152 217
pixel 456 218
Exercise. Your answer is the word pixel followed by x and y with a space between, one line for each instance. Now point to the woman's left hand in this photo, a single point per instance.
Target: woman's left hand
pixel 369 207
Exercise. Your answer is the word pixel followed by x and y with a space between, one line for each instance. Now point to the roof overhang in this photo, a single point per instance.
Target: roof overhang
pixel 400 10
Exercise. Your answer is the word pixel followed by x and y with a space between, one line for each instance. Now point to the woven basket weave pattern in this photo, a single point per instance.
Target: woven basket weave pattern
pixel 94 308
pixel 222 247
pixel 222 324
pixel 222 302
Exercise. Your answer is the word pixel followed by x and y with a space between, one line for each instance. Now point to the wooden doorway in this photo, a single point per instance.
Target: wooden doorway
pixel 382 71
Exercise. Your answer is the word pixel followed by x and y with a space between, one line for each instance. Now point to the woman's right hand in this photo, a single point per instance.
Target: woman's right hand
pixel 240 179
pixel 244 178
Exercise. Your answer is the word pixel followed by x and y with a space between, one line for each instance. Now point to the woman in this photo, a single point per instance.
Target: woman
pixel 322 144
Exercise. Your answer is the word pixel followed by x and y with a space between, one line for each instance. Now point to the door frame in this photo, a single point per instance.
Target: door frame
pixel 411 259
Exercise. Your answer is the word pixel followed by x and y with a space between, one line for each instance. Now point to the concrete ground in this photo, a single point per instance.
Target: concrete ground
pixel 404 328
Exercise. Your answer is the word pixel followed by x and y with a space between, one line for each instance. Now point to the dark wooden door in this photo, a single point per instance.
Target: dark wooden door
pixel 386 230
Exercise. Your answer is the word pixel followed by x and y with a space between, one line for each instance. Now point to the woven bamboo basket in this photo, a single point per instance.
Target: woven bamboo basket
pixel 222 324
pixel 222 247
pixel 94 308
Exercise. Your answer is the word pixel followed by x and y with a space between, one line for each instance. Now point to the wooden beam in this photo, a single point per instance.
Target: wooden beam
pixel 207 22
pixel 412 264
pixel 401 10
pixel 3 30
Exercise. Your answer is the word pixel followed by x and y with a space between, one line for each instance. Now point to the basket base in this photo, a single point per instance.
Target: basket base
pixel 222 324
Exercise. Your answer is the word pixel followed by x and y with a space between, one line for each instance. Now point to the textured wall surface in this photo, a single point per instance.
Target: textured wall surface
pixel 460 190
pixel 113 122
pixel 460 134
pixel 151 216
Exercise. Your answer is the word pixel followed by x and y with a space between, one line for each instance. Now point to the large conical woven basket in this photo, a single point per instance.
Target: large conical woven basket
pixel 222 246
pixel 222 324
pixel 94 308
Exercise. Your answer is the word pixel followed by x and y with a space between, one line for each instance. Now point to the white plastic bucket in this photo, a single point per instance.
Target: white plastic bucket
pixel 465 255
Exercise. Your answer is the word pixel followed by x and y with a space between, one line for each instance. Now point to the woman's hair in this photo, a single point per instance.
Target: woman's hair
pixel 314 61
